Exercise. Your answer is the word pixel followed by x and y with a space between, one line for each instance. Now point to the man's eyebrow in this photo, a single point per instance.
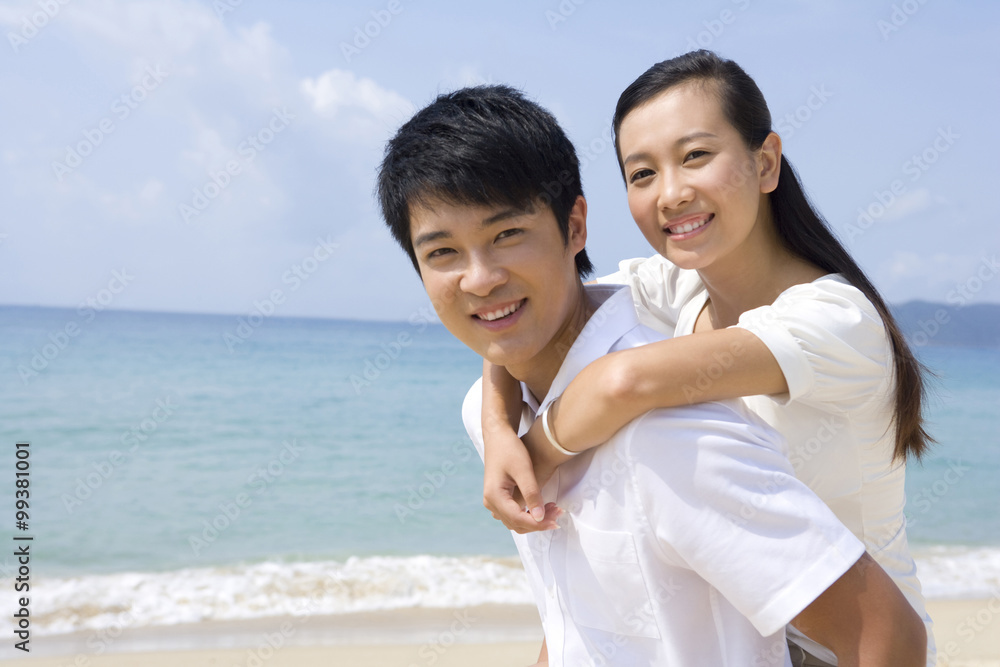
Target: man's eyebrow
pixel 680 142
pixel 430 237
pixel 505 214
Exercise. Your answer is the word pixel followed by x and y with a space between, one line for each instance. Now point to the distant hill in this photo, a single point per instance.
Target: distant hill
pixel 924 323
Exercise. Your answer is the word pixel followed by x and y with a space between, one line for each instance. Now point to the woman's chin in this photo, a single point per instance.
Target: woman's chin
pixel 692 261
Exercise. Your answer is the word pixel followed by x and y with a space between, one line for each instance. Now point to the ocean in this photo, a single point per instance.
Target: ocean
pixel 185 468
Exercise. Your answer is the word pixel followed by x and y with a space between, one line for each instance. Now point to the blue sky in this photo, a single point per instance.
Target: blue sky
pixel 209 156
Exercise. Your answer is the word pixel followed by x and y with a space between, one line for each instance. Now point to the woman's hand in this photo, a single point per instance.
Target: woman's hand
pixel 509 485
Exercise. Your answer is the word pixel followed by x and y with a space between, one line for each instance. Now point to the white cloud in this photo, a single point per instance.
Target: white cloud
pixel 905 265
pixel 909 203
pixel 357 106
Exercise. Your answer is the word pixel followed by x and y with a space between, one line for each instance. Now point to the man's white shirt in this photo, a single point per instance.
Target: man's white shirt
pixel 686 541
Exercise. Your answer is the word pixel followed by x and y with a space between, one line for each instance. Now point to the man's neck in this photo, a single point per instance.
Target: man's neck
pixel 539 372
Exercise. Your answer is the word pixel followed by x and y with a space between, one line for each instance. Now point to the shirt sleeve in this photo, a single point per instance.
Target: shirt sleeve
pixel 472 416
pixel 830 342
pixel 660 289
pixel 722 500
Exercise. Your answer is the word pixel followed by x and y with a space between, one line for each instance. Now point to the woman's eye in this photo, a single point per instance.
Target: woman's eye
pixel 639 175
pixel 694 155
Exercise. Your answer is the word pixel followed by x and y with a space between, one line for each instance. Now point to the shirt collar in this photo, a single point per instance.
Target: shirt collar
pixel 614 318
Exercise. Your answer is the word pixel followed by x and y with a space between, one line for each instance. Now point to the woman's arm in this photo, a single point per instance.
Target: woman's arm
pixel 607 395
pixel 618 387
pixel 543 657
pixel 509 483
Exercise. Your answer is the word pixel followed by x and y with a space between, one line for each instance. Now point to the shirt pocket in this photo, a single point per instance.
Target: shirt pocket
pixel 605 587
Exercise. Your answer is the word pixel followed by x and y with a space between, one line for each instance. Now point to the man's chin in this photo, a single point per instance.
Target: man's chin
pixel 507 356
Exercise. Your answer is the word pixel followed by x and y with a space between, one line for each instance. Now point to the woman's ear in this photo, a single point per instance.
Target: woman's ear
pixel 770 163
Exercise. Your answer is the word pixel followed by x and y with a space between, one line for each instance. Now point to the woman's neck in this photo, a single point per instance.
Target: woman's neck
pixel 753 276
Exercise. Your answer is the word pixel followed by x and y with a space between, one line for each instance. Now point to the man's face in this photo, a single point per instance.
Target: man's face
pixel 501 279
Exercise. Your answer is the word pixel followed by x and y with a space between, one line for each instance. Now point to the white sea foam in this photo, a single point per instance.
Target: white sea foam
pixel 134 599
pixel 959 572
pixel 143 599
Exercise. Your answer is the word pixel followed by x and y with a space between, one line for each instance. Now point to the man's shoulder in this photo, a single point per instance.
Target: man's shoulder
pixel 689 425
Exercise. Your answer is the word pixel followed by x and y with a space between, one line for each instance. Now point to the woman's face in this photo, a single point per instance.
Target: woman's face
pixel 694 188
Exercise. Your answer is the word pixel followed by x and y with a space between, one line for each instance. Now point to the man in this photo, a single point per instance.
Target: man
pixel 687 540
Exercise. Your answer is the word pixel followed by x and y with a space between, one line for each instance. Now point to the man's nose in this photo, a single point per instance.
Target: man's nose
pixel 482 275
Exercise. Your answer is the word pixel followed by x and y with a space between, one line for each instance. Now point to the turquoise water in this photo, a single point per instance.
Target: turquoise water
pixel 358 449
pixel 166 442
pixel 954 496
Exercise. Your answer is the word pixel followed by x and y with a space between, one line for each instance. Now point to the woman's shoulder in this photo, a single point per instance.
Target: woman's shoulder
pixel 828 338
pixel 832 288
pixel 830 303
pixel 660 289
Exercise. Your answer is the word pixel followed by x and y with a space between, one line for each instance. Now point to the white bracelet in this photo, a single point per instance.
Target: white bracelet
pixel 548 432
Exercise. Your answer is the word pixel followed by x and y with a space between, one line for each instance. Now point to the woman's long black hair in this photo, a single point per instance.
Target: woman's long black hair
pixel 796 222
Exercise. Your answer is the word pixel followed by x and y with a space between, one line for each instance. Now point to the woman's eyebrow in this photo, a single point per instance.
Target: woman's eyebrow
pixel 632 157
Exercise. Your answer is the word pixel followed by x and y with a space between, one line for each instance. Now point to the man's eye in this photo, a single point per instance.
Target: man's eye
pixel 439 252
pixel 639 175
pixel 507 233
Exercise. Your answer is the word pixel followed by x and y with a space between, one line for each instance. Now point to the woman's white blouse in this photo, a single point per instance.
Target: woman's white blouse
pixel 837 415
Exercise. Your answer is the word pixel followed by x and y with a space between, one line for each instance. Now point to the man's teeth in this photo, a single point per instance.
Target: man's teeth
pixel 497 314
pixel 687 227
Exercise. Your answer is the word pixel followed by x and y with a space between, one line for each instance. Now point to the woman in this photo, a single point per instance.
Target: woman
pixel 782 315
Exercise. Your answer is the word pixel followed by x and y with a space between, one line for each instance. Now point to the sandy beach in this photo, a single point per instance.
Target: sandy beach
pixel 967 632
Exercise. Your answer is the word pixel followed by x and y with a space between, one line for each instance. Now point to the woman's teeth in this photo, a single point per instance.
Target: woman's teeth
pixel 687 227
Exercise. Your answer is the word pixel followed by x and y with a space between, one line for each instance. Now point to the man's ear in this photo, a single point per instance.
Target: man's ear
pixel 577 232
pixel 770 163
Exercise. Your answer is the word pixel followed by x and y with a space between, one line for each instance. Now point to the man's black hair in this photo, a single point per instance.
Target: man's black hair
pixel 479 146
